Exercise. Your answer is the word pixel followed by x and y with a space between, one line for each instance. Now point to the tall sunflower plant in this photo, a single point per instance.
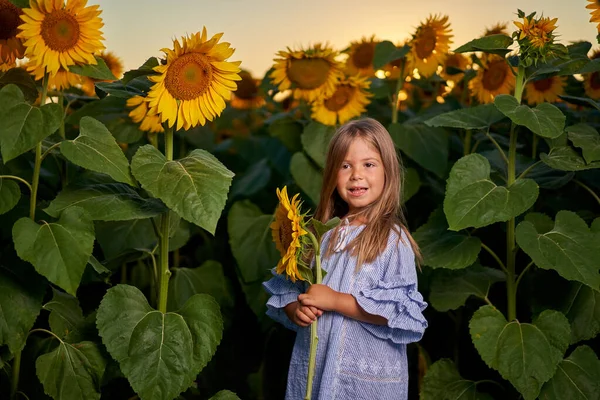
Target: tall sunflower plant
pixel 298 239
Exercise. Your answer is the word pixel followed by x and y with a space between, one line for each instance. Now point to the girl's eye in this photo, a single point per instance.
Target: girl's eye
pixel 345 166
pixel 369 165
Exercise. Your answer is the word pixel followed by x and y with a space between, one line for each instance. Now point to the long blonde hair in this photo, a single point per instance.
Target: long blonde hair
pixel 383 215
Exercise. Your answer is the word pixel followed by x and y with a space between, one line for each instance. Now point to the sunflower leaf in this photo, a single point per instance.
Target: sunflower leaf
pixel 545 119
pixel 587 139
pixel 577 377
pixel 442 381
pixel 10 193
pixel 97 150
pixel 581 101
pixel 473 200
pixel 427 146
pixel 412 183
pixel 322 228
pixel 58 250
pixel 195 187
pixel 98 71
pixel 525 354
pixel 66 317
pixel 225 395
pixel 22 79
pixel 494 44
pixel 386 52
pixel 315 139
pixel 582 307
pixel 146 69
pixel 570 248
pixel 479 117
pixel 565 158
pixel 307 176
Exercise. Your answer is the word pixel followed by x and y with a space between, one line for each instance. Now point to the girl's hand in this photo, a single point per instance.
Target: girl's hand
pixel 302 315
pixel 320 296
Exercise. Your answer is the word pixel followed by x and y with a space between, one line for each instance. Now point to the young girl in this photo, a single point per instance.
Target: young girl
pixel 368 305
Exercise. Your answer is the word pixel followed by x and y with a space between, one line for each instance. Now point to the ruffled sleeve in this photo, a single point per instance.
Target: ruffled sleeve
pixel 395 295
pixel 283 292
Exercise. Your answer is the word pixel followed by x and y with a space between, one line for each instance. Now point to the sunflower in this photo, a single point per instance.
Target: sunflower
pixel 591 82
pixel 114 64
pixel 195 81
pixel 456 61
pixel 594 5
pixel 287 230
pixel 58 35
pixel 140 115
pixel 310 73
pixel 6 66
pixel 60 81
pixel 545 90
pixel 429 45
pixel 349 100
pixel 247 95
pixel 501 28
pixel 493 78
pixel 11 47
pixel 537 32
pixel 360 57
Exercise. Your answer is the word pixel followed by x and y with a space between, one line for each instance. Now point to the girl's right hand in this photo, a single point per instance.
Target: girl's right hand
pixel 302 315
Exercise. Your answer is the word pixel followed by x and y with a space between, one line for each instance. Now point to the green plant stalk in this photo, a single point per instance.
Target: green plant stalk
pixel 399 86
pixel 590 191
pixel 163 239
pixel 16 178
pixel 314 338
pixel 511 284
pixel 467 143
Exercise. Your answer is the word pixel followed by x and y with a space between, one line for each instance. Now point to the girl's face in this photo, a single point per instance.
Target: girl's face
pixel 361 176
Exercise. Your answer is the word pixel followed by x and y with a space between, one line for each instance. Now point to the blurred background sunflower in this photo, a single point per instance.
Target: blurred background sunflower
pixel 349 100
pixel 60 35
pixel 248 95
pixel 310 73
pixel 494 77
pixel 11 47
pixel 360 57
pixel 452 64
pixel 430 45
pixel 594 6
pixel 500 28
pixel 139 114
pixel 545 90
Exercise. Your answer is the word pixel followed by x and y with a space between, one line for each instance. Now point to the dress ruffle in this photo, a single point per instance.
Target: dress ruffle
pixel 282 292
pixel 401 304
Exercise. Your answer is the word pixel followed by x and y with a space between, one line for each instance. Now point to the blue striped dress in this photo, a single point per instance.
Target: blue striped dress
pixel 357 360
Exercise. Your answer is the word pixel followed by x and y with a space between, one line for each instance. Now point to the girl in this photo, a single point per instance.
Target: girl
pixel 368 305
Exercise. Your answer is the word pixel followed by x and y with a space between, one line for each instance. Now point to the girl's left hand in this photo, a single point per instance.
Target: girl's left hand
pixel 320 296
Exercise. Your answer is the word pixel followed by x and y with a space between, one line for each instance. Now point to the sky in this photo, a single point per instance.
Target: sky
pixel 137 29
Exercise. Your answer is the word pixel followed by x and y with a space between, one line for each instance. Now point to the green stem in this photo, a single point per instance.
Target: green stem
pixel 524 173
pixel 523 273
pixel 399 86
pixel 583 185
pixel 16 368
pixel 502 153
pixel 16 178
pixel 38 158
pixel 511 254
pixel 495 256
pixel 61 128
pixel 165 273
pixel 314 338
pixel 467 143
pixel 45 154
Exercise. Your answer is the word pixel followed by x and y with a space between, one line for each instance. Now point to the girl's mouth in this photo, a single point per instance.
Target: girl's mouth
pixel 357 191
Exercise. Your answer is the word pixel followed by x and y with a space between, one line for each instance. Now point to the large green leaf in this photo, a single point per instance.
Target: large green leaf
pixel 58 250
pixel 473 200
pixel 195 186
pixel 209 278
pixel 577 377
pixel 587 139
pixel 72 371
pixel 225 395
pixel 66 317
pixel 386 52
pixel 565 158
pixel 412 184
pixel 582 308
pixel 146 69
pixel 427 146
pixel 451 289
pixel 24 126
pixel 116 238
pixel 442 248
pixel 21 78
pixel 443 382
pixel 160 354
pixel 20 304
pixel 494 44
pixel 307 176
pixel 525 354
pixel 106 202
pixel 570 248
pixel 103 110
pixel 545 119
pixel 10 96
pixel 97 71
pixel 251 241
pixel 315 140
pixel 96 149
pixel 9 194
pixel 478 117
pixel 251 181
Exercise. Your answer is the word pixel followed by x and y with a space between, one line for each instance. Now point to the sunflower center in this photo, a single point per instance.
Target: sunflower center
pixel 341 97
pixel 426 42
pixel 189 76
pixel 308 73
pixel 363 55
pixel 285 234
pixel 9 19
pixel 543 85
pixel 595 80
pixel 246 88
pixel 495 75
pixel 60 30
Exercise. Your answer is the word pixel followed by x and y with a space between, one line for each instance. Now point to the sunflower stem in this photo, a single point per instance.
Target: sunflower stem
pixel 38 158
pixel 467 143
pixel 314 338
pixel 165 273
pixel 399 86
pixel 16 178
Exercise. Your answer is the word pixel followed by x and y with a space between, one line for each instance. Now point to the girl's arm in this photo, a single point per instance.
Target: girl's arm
pixel 327 299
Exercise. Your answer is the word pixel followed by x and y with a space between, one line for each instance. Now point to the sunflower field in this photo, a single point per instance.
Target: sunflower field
pixel 135 205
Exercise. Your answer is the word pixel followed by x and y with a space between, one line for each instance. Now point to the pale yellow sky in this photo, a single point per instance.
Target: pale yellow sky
pixel 257 29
